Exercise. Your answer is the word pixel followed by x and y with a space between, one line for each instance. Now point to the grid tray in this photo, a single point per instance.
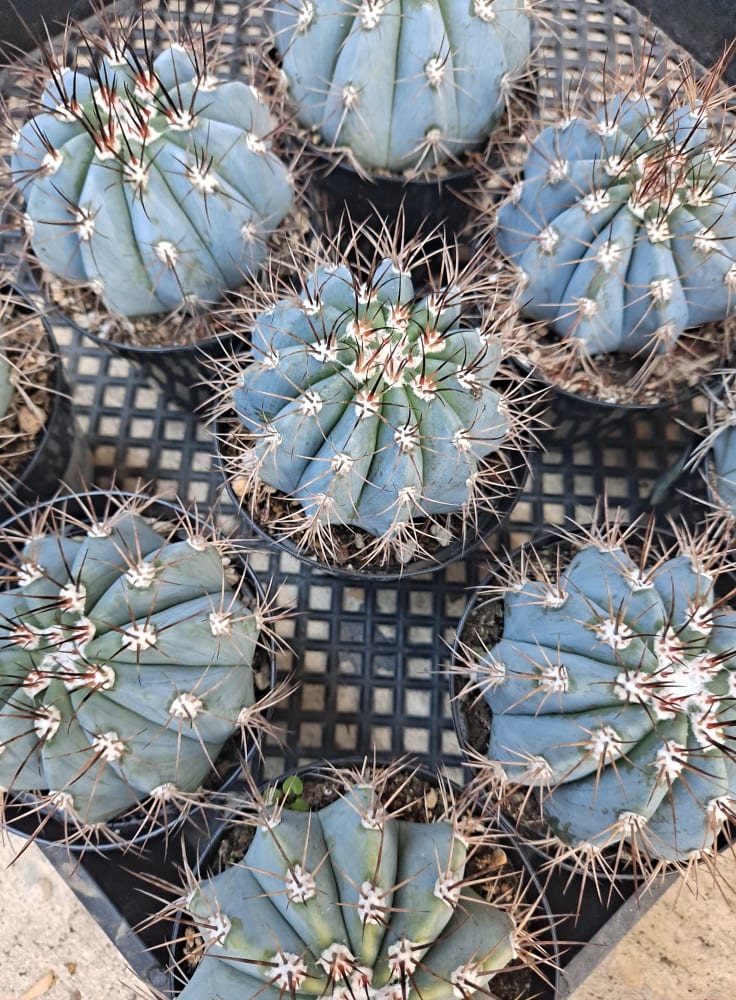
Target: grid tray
pixel 370 659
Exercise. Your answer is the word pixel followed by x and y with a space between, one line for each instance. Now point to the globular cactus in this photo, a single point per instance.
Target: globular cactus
pixel 621 227
pixel 403 85
pixel 352 900
pixel 376 408
pixel 126 662
pixel 611 690
pixel 149 177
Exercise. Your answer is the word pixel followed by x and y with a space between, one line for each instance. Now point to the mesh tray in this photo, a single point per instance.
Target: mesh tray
pixel 370 659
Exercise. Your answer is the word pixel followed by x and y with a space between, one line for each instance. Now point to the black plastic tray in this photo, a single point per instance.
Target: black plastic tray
pixel 370 658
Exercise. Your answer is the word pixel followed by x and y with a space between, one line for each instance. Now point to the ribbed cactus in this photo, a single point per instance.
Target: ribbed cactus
pixel 150 178
pixel 623 223
pixel 612 691
pixel 404 84
pixel 374 407
pixel 351 901
pixel 125 662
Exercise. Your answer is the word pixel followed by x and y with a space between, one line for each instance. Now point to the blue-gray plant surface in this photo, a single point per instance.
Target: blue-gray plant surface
pixel 612 690
pixel 354 901
pixel 126 662
pixel 401 84
pixel 148 177
pixel 622 225
pixel 377 408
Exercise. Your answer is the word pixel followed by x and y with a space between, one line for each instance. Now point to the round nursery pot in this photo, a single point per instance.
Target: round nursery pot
pixel 591 408
pixel 352 794
pixel 35 814
pixel 35 454
pixel 342 196
pixel 350 562
pixel 546 714
pixel 178 370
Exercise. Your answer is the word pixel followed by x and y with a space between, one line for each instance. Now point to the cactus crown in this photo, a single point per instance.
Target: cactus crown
pixel 144 174
pixel 620 225
pixel 127 661
pixel 392 890
pixel 376 408
pixel 611 689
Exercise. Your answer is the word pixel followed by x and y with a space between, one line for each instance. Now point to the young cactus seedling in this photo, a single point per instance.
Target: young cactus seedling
pixel 620 227
pixel 128 660
pixel 611 679
pixel 382 412
pixel 388 888
pixel 144 174
pixel 400 86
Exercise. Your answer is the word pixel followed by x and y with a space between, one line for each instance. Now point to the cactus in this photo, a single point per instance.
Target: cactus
pixel 353 900
pixel 376 408
pixel 148 177
pixel 611 690
pixel 126 661
pixel 621 227
pixel 404 85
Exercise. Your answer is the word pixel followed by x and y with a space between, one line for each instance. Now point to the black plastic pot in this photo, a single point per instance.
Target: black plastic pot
pixel 126 833
pixel 543 922
pixel 179 371
pixel 59 451
pixel 487 522
pixel 704 27
pixel 341 197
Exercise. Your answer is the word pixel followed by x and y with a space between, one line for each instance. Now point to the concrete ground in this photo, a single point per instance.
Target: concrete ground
pixel 52 949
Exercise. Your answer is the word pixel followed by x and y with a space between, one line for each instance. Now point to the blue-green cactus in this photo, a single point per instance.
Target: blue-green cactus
pixel 404 84
pixel 623 223
pixel 126 661
pixel 150 179
pixel 373 407
pixel 350 901
pixel 612 689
